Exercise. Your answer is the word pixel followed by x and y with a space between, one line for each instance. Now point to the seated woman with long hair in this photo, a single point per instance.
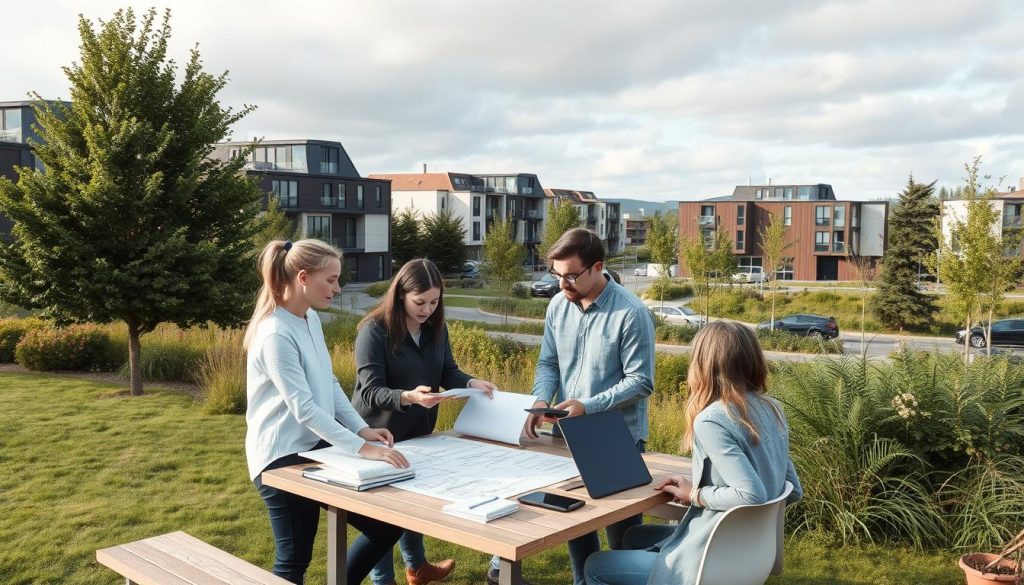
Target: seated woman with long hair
pixel 739 441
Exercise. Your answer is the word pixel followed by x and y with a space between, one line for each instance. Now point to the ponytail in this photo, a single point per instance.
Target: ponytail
pixel 278 264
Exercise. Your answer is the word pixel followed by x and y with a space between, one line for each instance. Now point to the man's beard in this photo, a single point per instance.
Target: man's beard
pixel 572 294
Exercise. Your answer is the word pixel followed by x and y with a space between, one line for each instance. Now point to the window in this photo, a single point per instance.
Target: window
pixel 352 268
pixel 839 216
pixel 378 201
pixel 821 214
pixel 476 207
pixel 287 192
pixel 787 216
pixel 476 231
pixel 821 241
pixel 839 242
pixel 788 193
pixel 822 192
pixel 748 261
pixel 741 211
pixel 350 232
pixel 739 240
pixel 359 197
pixel 327 196
pixel 329 163
pixel 707 215
pixel 341 195
pixel 778 192
pixel 803 193
pixel 759 194
pixel 319 227
pixel 443 198
pixel 279 158
pixel 785 271
pixel 380 267
pixel 10 125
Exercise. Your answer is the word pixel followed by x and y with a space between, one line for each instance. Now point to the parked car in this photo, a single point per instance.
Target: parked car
pixel 678 315
pixel 470 270
pixel 806 325
pixel 640 271
pixel 753 274
pixel 547 286
pixel 1005 332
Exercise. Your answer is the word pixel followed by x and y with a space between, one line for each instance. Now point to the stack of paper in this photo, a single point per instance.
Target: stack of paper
pixel 352 471
pixel 481 510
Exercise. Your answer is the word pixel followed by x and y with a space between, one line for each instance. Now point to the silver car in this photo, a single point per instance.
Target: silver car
pixel 678 315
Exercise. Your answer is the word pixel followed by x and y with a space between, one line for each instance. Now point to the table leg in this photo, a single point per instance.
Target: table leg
pixel 510 572
pixel 337 546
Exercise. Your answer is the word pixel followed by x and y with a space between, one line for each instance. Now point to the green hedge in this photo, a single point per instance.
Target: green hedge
pixel 681 334
pixel 377 289
pixel 786 341
pixel 673 289
pixel 11 332
pixel 530 308
pixel 78 347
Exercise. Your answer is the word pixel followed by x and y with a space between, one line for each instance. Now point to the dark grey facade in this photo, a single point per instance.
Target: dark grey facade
pixel 320 190
pixel 16 121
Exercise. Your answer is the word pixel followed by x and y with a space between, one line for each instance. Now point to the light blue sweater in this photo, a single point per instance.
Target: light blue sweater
pixel 293 396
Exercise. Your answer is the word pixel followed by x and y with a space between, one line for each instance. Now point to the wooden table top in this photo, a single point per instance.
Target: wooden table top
pixel 514 537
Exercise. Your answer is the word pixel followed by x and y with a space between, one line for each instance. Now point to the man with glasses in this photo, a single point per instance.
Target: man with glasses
pixel 597 354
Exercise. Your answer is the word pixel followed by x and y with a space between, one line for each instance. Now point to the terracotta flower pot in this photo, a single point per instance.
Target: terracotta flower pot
pixel 976 577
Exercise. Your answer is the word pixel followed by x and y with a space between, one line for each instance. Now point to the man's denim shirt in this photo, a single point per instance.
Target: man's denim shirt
pixel 603 357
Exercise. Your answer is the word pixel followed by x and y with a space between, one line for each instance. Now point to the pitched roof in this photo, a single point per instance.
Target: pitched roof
pixel 417 181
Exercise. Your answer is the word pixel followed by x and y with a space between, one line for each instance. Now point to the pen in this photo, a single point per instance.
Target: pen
pixel 481 502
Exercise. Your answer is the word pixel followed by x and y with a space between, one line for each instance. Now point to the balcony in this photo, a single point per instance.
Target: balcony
pixel 706 220
pixel 821 221
pixel 11 135
pixel 292 167
pixel 533 214
pixel 819 247
pixel 838 247
pixel 332 202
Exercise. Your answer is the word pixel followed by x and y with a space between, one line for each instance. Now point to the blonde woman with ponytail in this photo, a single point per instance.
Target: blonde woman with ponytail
pixel 294 404
pixel 739 441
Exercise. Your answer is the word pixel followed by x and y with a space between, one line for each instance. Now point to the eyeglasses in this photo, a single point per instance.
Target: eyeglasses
pixel 571 278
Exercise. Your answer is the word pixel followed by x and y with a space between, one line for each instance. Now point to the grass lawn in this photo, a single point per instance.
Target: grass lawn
pixel 83 466
pixel 470 292
pixel 461 302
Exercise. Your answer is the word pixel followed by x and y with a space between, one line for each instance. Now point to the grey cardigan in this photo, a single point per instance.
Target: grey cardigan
pixel 731 471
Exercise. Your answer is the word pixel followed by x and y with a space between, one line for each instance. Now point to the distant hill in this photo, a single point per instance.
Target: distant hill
pixel 633 206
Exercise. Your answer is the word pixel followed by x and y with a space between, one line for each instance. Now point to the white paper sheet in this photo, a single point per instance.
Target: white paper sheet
pixel 460 392
pixel 457 469
pixel 499 419
pixel 351 465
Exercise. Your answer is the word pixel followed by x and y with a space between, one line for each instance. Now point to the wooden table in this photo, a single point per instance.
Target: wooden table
pixel 512 538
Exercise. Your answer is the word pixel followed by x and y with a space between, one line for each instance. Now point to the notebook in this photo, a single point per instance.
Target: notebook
pixel 332 477
pixel 604 452
pixel 354 468
pixel 482 510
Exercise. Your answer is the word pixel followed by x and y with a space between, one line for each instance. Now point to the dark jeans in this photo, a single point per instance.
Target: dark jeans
pixel 588 544
pixel 294 519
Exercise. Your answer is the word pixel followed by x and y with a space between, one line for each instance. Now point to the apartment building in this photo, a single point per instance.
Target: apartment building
pixel 823 229
pixel 479 200
pixel 635 228
pixel 16 120
pixel 603 217
pixel 1009 204
pixel 319 188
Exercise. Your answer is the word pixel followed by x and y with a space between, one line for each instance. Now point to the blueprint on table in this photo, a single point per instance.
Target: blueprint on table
pixel 456 469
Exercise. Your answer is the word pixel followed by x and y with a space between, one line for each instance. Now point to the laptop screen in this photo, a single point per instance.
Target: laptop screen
pixel 604 452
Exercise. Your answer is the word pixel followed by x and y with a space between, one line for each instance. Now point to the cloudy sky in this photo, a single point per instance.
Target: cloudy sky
pixel 649 100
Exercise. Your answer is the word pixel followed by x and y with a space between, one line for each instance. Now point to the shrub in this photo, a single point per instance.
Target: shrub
pixel 340 328
pixel 499 359
pixel 170 354
pixel 530 308
pixel 520 291
pixel 343 362
pixel 463 283
pixel 11 332
pixel 670 375
pixel 785 341
pixel 377 289
pixel 680 334
pixel 77 347
pixel 673 289
pixel 222 374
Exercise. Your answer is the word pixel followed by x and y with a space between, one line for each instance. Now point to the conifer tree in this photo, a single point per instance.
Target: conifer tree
pixel 131 220
pixel 405 237
pixel 444 241
pixel 912 243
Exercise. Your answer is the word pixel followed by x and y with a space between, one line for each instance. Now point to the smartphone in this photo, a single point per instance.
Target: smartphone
pixel 551 412
pixel 551 501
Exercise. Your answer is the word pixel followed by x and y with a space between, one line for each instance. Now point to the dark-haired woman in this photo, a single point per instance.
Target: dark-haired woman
pixel 402 358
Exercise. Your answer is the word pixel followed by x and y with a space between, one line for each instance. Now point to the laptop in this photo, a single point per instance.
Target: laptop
pixel 605 453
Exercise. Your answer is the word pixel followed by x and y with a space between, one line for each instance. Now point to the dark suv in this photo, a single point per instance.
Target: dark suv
pixel 547 286
pixel 808 325
pixel 1005 332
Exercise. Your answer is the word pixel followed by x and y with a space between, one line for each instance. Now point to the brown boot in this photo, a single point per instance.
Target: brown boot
pixel 429 573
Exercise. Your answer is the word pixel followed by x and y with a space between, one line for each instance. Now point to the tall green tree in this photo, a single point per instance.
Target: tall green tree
pixel 867 270
pixel 131 220
pixel 708 258
pixel 406 243
pixel 275 224
pixel 444 241
pixel 899 303
pixel 663 242
pixel 562 217
pixel 773 246
pixel 503 261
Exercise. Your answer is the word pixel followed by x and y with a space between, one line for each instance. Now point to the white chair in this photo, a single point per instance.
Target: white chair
pixel 745 546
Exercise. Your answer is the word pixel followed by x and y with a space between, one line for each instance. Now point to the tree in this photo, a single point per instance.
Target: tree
pixel 503 260
pixel 562 217
pixel 405 237
pixel 773 246
pixel 710 261
pixel 444 241
pixel 275 225
pixel 899 303
pixel 131 220
pixel 663 241
pixel 866 269
pixel 973 262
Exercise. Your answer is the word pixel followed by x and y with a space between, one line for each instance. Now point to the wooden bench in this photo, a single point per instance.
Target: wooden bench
pixel 180 559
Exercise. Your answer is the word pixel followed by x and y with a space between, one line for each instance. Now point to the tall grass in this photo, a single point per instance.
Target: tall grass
pixel 221 375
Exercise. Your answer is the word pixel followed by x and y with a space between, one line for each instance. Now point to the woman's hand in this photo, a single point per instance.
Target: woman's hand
pixel 379 435
pixel 678 486
pixel 484 385
pixel 423 396
pixel 382 453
